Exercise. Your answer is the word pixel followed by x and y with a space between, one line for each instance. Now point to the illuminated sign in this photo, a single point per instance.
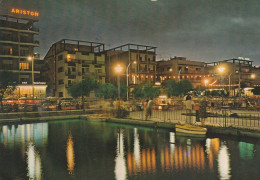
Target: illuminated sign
pixel 25 12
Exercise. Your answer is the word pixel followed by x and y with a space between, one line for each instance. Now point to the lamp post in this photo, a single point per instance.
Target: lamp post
pixel 127 72
pixel 32 59
pixel 221 70
pixel 118 70
pixel 206 81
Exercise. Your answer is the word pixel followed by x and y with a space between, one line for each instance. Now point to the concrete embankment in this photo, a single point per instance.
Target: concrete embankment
pixel 230 131
pixel 63 115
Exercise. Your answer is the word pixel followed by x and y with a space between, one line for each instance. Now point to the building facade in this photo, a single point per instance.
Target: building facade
pixel 138 63
pixel 233 73
pixel 179 68
pixel 70 61
pixel 18 32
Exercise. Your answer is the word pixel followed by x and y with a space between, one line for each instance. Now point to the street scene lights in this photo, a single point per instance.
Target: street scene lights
pixel 118 70
pixel 253 76
pixel 32 59
pixel 127 73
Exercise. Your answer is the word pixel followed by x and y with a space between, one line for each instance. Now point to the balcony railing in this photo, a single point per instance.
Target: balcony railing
pixel 18 26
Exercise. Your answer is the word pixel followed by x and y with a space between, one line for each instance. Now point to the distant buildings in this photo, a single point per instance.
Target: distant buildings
pixel 179 68
pixel 138 62
pixel 70 61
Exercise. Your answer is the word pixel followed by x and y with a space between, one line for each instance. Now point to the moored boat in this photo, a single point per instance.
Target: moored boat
pixel 190 130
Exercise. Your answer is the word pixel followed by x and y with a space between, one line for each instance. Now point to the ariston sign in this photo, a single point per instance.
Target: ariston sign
pixel 25 12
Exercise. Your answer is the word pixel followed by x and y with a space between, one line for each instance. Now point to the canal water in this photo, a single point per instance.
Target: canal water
pixel 98 150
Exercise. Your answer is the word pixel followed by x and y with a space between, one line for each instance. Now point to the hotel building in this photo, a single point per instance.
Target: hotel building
pixel 17 42
pixel 70 61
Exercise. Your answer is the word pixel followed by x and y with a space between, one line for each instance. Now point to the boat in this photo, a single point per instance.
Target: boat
pixel 190 130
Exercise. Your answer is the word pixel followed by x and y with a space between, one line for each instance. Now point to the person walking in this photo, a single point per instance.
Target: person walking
pixel 189 106
pixel 149 108
pixel 203 110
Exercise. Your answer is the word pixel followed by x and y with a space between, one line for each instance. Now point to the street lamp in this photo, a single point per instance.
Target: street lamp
pixel 118 70
pixel 221 70
pixel 206 81
pixel 253 76
pixel 32 59
pixel 127 71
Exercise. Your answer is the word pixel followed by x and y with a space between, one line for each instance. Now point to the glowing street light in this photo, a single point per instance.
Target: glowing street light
pixel 127 71
pixel 253 76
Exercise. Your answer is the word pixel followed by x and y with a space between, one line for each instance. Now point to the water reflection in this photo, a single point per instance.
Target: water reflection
pixel 119 153
pixel 33 162
pixel 70 154
pixel 120 164
pixel 224 163
pixel 246 150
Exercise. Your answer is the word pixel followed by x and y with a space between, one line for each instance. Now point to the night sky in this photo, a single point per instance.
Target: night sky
pixel 201 30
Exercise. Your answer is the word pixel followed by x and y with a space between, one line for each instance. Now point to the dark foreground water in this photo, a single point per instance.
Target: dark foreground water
pixel 93 150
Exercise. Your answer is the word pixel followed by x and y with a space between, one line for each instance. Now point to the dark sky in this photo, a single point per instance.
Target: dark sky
pixel 201 30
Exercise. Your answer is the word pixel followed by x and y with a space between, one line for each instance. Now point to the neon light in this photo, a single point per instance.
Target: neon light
pixel 25 12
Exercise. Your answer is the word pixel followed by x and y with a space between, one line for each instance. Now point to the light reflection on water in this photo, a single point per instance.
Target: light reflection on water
pixel 103 151
pixel 70 154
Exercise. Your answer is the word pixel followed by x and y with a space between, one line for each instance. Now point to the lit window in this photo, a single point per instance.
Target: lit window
pixel 24 66
pixel 76 49
pixel 11 51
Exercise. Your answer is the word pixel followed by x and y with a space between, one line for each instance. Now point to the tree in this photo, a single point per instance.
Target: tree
pixel 150 91
pixel 185 87
pixel 7 84
pixel 123 90
pixel 107 91
pixel 138 92
pixel 181 88
pixel 170 84
pixel 83 88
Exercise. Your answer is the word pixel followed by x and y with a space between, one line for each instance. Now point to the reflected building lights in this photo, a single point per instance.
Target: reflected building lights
pixel 70 154
pixel 120 164
pixel 33 162
pixel 136 148
pixel 224 163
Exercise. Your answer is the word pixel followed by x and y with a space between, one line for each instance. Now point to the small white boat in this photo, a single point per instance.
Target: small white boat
pixel 190 130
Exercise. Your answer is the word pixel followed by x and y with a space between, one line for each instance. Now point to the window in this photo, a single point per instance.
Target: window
pixel 11 51
pixel 24 66
pixel 60 57
pixel 69 82
pixel 60 69
pixel 197 69
pixel 73 69
pixel 61 81
pixel 60 94
pixel 83 70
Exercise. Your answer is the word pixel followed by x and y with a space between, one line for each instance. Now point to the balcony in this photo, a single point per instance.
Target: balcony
pixel 18 27
pixel 71 76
